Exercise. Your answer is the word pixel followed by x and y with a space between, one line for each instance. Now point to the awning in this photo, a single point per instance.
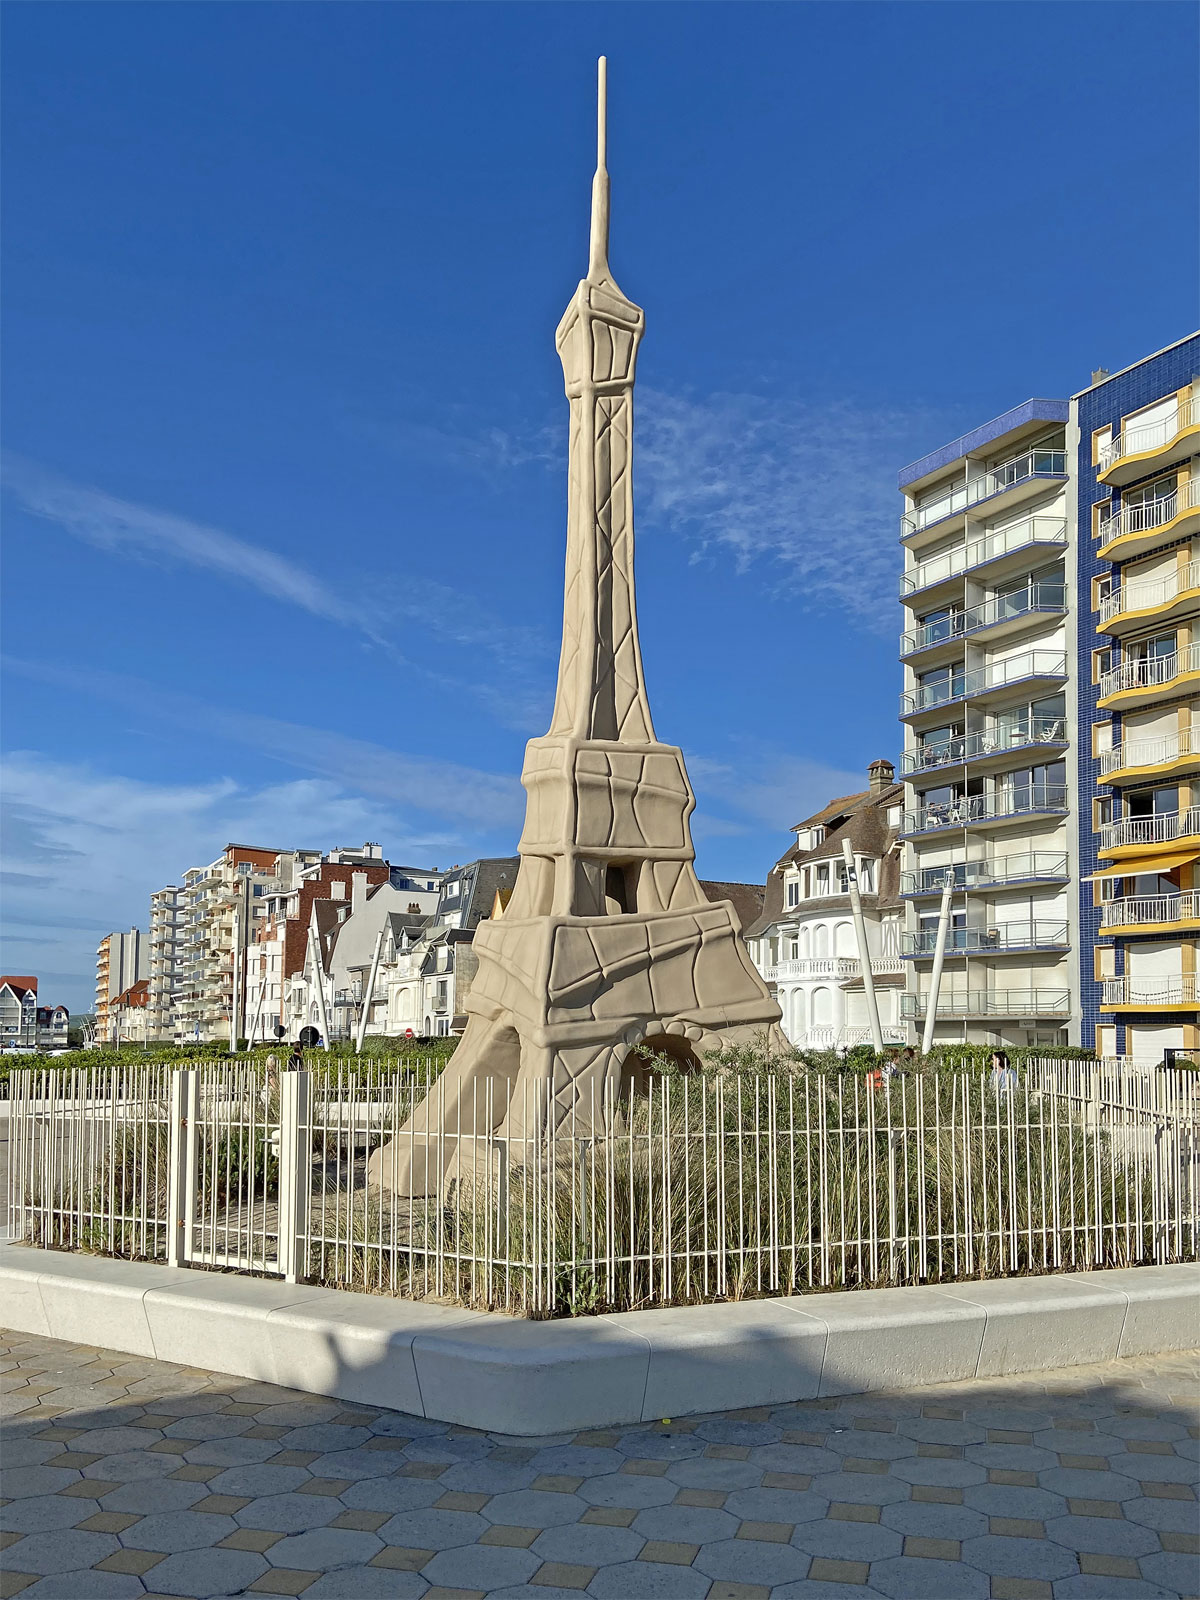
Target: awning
pixel 1136 865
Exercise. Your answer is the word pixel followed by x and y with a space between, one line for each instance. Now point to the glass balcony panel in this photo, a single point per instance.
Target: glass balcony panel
pixel 1035 599
pixel 1030 464
pixel 1037 935
pixel 954 752
pixel 981 680
pixel 991 1002
pixel 1031 530
pixel 976 808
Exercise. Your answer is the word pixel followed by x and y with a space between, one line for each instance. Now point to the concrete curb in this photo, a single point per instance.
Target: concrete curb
pixel 507 1375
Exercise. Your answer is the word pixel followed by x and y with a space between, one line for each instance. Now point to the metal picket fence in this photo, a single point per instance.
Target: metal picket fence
pixel 682 1188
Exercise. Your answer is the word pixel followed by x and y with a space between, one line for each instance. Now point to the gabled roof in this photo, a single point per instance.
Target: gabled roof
pixel 747 898
pixel 19 985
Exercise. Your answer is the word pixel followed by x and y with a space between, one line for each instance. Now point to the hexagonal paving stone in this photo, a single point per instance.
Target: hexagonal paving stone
pixel 370 1583
pixel 95 1585
pixel 115 1441
pixel 915 1578
pixel 391 1494
pixel 1004 1557
pixel 1107 1536
pixel 1155 1469
pixel 664 1446
pixel 323 1437
pixel 30 1481
pixel 705 1472
pixel 860 1488
pixel 149 1495
pixel 1013 1500
pixel 288 1513
pixel 752 1561
pixel 480 1566
pixel 586 1544
pixel 731 1430
pixel 214 1425
pixel 28 1452
pixel 628 1489
pixel 436 1530
pixel 487 1477
pixel 535 1508
pixel 848 1541
pixel 63 1550
pixel 322 1548
pixel 927 1519
pixel 201 1574
pixel 576 1461
pixel 1167 1516
pixel 1087 1485
pixel 777 1505
pixel 1090 1586
pixel 258 1480
pixel 450 1447
pixel 178 1530
pixel 359 1463
pixel 42 1513
pixel 939 1470
pixel 235 1452
pixel 685 1524
pixel 797 1458
pixel 649 1580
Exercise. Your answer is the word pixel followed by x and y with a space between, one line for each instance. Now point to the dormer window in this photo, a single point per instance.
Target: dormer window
pixel 793 892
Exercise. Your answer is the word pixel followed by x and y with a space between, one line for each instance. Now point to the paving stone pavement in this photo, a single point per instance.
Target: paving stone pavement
pixel 128 1477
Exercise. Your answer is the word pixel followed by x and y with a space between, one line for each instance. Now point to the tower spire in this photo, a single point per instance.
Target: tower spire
pixel 598 253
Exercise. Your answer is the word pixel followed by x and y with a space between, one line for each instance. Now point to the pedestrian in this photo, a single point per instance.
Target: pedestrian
pixel 296 1060
pixel 1004 1077
pixel 908 1059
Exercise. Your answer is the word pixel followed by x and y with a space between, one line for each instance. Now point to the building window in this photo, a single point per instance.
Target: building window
pixel 793 892
pixel 1101 663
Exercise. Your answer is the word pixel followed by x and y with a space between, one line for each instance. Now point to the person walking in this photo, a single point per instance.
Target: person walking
pixel 296 1060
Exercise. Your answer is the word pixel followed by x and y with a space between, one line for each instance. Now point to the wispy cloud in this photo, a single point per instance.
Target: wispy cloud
pixel 434 788
pixel 87 848
pixel 770 788
pixel 805 488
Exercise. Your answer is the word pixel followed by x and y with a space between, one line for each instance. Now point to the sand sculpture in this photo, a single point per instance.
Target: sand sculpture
pixel 608 940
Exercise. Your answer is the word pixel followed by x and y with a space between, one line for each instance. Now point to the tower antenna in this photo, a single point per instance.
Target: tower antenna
pixel 598 252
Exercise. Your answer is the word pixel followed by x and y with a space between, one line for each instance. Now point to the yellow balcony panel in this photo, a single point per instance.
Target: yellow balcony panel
pixel 1136 530
pixel 1163 757
pixel 1152 913
pixel 1144 681
pixel 1143 839
pixel 1138 449
pixel 1157 600
pixel 1174 994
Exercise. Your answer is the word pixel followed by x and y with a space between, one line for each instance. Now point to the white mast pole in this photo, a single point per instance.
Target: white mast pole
pixel 369 996
pixel 864 953
pixel 319 976
pixel 939 961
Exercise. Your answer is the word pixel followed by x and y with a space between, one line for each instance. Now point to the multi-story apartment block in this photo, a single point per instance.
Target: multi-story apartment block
pixel 121 959
pixel 167 929
pixel 989 718
pixel 804 942
pixel 1138 468
pixel 18 1013
pixel 53 1027
pixel 217 910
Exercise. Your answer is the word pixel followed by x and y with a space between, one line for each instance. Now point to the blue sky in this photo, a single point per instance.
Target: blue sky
pixel 284 419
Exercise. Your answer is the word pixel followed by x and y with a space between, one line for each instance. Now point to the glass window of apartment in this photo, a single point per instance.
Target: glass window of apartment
pixel 821 878
pixel 938 626
pixel 1033 788
pixel 1162 802
pixel 956 935
pixel 1038 721
pixel 866 875
pixel 1156 648
pixel 938 746
pixel 793 892
pixel 940 683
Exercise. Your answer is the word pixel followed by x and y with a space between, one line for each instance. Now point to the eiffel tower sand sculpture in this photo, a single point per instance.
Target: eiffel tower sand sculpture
pixel 608 940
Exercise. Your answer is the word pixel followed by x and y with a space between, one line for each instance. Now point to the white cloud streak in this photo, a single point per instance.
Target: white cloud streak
pixel 807 488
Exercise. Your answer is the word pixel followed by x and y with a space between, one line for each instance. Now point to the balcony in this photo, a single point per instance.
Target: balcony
pixel 1135 682
pixel 1156 599
pixel 1132 530
pixel 840 968
pixel 1010 939
pixel 1140 758
pixel 1034 866
pixel 1147 912
pixel 1143 834
pixel 1016 479
pixel 1000 615
pixel 980 810
pixel 1049 666
pixel 1171 991
pixel 1026 536
pixel 967 748
pixel 1139 448
pixel 992 1003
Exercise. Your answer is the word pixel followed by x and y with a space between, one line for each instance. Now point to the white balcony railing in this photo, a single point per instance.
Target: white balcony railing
pixel 1147 515
pixel 1020 867
pixel 1033 600
pixel 961 685
pixel 1150 672
pixel 1032 530
pixel 974 808
pixel 991 1003
pixel 837 967
pixel 1156 752
pixel 987 742
pixel 1150 594
pixel 1168 989
pixel 1036 935
pixel 1137 909
pixel 1137 438
pixel 1163 829
pixel 1040 463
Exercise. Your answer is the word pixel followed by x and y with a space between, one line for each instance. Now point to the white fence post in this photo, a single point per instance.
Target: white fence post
pixel 295 1172
pixel 181 1166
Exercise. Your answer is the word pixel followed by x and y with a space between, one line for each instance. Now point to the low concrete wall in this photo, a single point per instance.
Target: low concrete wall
pixel 508 1375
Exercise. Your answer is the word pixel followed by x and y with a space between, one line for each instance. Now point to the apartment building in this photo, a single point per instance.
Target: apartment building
pixel 167 926
pixel 218 905
pixel 1138 471
pixel 18 1013
pixel 989 715
pixel 121 959
pixel 804 942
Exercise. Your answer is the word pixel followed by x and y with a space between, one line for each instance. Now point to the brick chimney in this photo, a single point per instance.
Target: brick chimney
pixel 882 775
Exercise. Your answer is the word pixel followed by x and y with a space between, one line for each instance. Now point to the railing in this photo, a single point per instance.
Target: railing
pixel 1162 829
pixel 1035 935
pixel 991 1003
pixel 1034 598
pixel 1151 992
pixel 1150 908
pixel 975 808
pixel 839 967
pixel 996 675
pixel 1150 672
pixel 1148 594
pixel 1156 752
pixel 1038 463
pixel 964 747
pixel 1150 435
pixel 1031 531
pixel 1018 868
pixel 695 1187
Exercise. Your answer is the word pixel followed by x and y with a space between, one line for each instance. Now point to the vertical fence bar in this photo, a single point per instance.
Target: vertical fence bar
pixel 181 1166
pixel 295 1173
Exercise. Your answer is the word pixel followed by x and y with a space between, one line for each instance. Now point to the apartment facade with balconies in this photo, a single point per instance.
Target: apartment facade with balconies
pixel 804 943
pixel 988 709
pixel 1138 471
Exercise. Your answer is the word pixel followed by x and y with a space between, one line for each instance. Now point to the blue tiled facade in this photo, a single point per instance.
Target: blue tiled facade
pixel 1101 406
